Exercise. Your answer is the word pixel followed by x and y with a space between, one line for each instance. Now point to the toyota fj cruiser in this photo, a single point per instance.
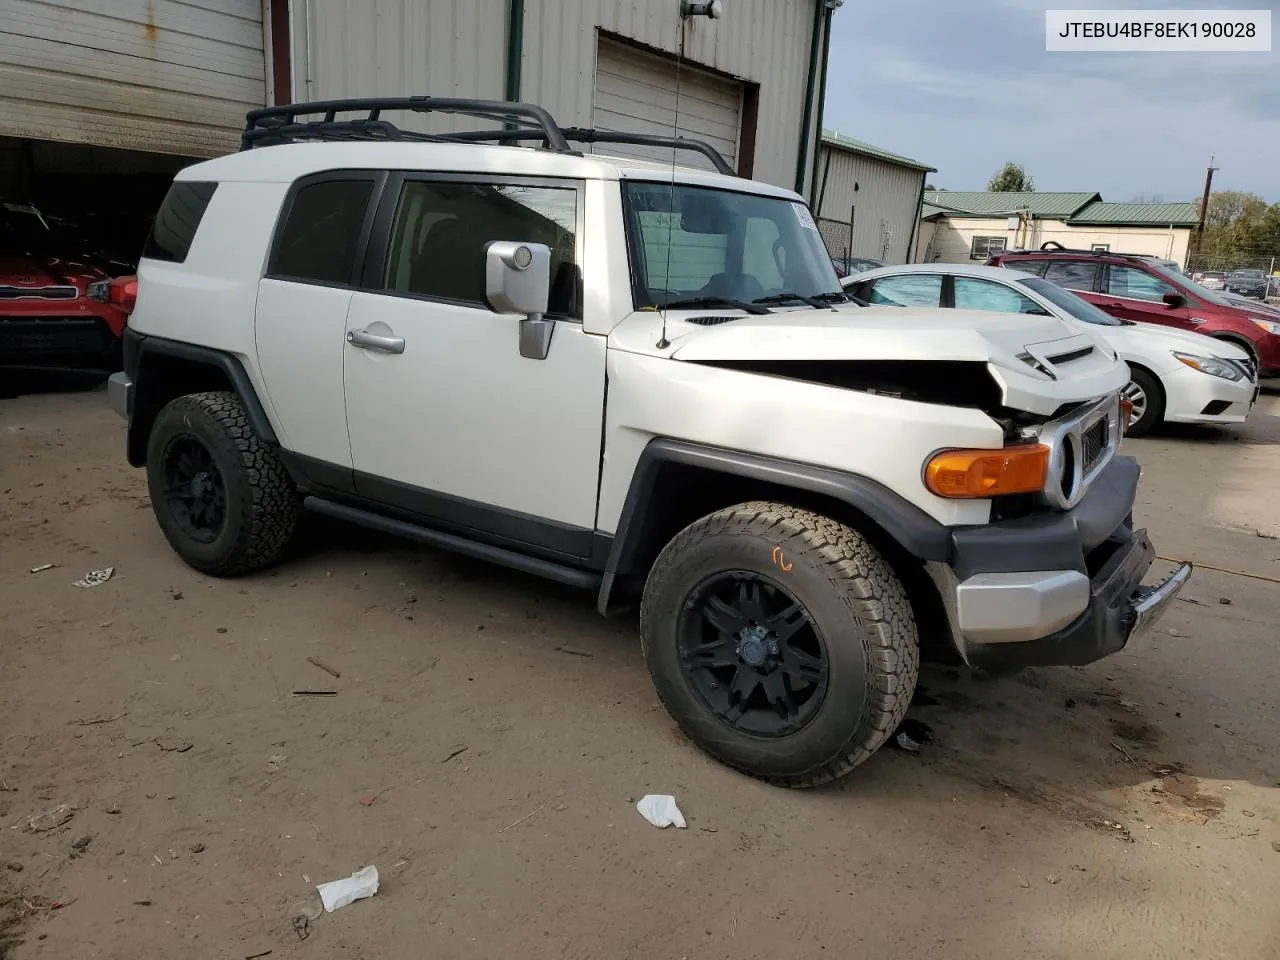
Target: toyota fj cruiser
pixel 639 379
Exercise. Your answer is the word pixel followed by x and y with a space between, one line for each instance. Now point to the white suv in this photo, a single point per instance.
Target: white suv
pixel 639 379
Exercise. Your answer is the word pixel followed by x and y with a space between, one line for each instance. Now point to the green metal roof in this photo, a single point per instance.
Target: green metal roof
pixel 833 139
pixel 1137 214
pixel 1058 206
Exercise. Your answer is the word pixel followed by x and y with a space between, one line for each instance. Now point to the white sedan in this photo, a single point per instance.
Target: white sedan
pixel 1178 376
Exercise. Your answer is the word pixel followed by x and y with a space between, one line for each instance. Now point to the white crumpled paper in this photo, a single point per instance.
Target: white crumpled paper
pixel 95 578
pixel 338 893
pixel 661 810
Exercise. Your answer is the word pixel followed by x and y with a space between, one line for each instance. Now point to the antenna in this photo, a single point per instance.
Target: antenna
pixel 663 342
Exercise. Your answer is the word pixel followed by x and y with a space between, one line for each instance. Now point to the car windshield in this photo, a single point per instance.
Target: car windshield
pixel 701 246
pixel 1249 274
pixel 1070 303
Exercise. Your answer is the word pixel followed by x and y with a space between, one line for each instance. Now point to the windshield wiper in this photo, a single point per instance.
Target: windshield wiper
pixel 694 302
pixel 789 297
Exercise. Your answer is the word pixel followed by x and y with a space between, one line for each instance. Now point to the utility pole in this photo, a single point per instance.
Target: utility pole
pixel 1204 209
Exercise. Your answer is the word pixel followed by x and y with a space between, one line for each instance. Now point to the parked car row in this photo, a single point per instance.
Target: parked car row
pixel 63 308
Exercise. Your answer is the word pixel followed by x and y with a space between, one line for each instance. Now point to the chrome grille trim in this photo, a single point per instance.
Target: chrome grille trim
pixel 1081 445
pixel 56 292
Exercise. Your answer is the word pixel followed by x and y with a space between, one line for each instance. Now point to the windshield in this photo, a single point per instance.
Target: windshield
pixel 695 243
pixel 1249 274
pixel 1070 303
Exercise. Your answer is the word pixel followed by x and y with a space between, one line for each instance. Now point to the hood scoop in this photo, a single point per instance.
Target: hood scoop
pixel 711 321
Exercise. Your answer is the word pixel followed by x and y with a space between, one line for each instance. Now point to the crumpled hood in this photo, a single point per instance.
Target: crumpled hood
pixel 1084 366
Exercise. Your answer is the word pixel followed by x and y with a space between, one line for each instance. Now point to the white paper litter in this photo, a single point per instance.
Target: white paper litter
pixel 661 810
pixel 338 893
pixel 95 578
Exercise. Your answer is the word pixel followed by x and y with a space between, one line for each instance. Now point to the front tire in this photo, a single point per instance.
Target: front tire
pixel 222 497
pixel 780 641
pixel 1147 396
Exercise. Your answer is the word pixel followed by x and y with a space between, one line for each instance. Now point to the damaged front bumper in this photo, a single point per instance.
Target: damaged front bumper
pixel 1055 588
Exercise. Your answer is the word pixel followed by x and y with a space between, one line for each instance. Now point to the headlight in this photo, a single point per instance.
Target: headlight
pixel 1210 365
pixel 99 291
pixel 1268 325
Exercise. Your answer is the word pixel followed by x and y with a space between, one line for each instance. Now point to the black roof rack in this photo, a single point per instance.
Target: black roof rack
pixel 1053 246
pixel 320 120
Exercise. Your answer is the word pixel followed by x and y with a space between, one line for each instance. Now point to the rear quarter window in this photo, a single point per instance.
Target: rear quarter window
pixel 174 228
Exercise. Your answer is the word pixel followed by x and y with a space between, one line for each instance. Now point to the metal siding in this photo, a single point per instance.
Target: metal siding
pixel 885 202
pixel 156 75
pixel 458 48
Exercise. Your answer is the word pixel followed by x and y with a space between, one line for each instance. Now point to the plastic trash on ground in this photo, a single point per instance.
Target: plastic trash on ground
pixel 95 578
pixel 358 886
pixel 661 811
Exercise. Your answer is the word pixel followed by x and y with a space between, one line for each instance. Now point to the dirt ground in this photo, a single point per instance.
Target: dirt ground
pixel 1130 809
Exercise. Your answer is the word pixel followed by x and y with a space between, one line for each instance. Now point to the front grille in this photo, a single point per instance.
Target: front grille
pixel 38 338
pixel 1094 443
pixel 1081 444
pixel 9 292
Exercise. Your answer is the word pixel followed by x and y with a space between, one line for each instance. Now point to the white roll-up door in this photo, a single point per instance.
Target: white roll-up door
pixel 156 75
pixel 636 92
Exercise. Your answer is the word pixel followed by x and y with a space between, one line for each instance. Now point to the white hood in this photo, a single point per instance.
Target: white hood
pixel 1085 367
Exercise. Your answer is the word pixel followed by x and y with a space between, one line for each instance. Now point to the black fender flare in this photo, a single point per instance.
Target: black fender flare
pixel 138 347
pixel 910 527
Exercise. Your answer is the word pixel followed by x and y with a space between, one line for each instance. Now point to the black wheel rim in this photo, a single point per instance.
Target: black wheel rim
pixel 753 653
pixel 194 492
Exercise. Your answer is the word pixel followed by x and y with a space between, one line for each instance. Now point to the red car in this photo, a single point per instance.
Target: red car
pixel 1135 287
pixel 58 314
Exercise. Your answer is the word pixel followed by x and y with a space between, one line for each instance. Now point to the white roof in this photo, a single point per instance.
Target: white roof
pixel 287 162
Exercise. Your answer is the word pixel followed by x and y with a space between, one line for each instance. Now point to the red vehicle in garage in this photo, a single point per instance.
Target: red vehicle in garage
pixel 58 313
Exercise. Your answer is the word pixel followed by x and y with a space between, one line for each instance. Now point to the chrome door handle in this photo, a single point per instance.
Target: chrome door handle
pixel 1197 321
pixel 373 341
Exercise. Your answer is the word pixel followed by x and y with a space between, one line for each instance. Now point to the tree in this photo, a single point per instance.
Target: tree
pixel 1011 178
pixel 1239 230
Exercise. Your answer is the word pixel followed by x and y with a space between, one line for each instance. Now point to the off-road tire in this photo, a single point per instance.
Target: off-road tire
pixel 262 503
pixel 1154 414
pixel 851 594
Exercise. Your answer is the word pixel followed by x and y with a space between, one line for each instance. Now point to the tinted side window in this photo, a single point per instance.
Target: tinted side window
pixel 441 229
pixel 911 290
pixel 974 294
pixel 1136 284
pixel 1034 267
pixel 1072 274
pixel 175 225
pixel 321 232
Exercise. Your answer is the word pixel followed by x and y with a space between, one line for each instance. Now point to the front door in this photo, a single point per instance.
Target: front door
pixel 1134 294
pixel 447 420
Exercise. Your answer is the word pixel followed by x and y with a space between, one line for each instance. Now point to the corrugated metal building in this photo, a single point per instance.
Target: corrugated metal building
pixel 747 81
pixel 160 76
pixel 868 199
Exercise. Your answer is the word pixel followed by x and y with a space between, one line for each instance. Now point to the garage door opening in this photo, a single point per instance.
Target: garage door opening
pixel 636 92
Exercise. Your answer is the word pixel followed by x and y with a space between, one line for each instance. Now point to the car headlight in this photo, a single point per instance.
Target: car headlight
pixel 1210 365
pixel 101 290
pixel 1268 325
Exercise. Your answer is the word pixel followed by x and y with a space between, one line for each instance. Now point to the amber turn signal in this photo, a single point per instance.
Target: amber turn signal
pixel 1126 414
pixel 970 474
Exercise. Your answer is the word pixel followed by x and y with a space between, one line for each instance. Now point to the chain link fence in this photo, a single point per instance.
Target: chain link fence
pixel 838 237
pixel 1216 268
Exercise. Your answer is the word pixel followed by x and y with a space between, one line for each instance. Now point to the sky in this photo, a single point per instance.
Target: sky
pixel 965 86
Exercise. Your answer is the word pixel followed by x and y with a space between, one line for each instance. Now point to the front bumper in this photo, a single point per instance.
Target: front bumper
pixel 1055 588
pixel 1195 397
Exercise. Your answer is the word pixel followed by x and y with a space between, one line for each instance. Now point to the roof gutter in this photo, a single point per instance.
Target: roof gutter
pixel 810 94
pixel 822 98
pixel 915 223
pixel 515 48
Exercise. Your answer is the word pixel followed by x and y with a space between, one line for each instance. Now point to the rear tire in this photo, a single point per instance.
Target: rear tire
pixel 1145 388
pixel 780 641
pixel 222 497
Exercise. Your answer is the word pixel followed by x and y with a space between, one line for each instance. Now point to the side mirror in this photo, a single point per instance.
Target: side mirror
pixel 1174 300
pixel 518 280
